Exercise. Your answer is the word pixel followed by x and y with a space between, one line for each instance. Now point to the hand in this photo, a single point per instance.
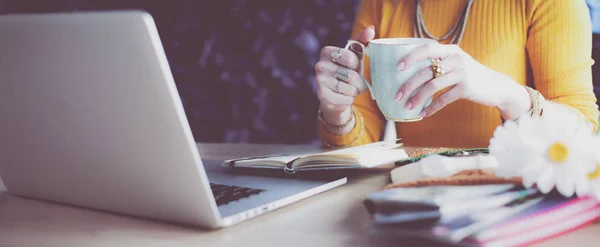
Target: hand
pixel 465 78
pixel 337 95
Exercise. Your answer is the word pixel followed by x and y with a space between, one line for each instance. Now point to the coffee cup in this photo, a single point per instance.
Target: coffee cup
pixel 384 55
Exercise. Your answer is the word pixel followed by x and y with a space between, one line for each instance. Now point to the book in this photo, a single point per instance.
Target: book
pixel 521 222
pixel 439 203
pixel 438 170
pixel 508 218
pixel 555 215
pixel 364 156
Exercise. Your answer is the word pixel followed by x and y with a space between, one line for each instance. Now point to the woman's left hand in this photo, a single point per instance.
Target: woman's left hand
pixel 466 79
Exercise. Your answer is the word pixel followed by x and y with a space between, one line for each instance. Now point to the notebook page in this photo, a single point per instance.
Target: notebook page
pixel 377 157
pixel 273 160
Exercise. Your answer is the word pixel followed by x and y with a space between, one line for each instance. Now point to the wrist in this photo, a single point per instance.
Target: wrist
pixel 338 122
pixel 516 103
pixel 335 117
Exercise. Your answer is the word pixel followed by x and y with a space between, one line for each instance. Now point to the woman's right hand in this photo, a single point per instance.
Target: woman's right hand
pixel 336 93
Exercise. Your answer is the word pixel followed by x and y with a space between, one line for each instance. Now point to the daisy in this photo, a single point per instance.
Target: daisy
pixel 548 152
pixel 594 173
pixel 594 178
pixel 505 146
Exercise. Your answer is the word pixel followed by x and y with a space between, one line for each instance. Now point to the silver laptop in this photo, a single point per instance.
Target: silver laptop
pixel 90 116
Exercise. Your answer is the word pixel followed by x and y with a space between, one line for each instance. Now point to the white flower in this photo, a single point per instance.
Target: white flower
pixel 547 152
pixel 594 173
pixel 594 178
pixel 505 146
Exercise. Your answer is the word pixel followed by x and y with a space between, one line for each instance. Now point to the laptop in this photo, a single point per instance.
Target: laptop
pixel 90 116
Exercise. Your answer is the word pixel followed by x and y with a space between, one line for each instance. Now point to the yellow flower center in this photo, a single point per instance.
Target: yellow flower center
pixel 595 174
pixel 558 152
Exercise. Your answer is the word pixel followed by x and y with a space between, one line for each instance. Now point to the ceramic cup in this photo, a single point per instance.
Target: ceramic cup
pixel 384 55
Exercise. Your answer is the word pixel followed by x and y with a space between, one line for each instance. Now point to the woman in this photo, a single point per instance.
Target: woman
pixel 500 60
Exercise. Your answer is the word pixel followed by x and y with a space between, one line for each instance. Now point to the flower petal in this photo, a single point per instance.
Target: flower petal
pixel 565 182
pixel 595 189
pixel 582 188
pixel 531 172
pixel 582 184
pixel 545 183
pixel 529 180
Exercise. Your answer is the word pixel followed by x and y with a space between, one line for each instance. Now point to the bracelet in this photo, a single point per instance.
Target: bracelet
pixel 360 133
pixel 537 100
pixel 338 127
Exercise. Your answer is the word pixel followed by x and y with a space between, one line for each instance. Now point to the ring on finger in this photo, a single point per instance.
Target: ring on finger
pixel 436 66
pixel 337 86
pixel 342 73
pixel 336 55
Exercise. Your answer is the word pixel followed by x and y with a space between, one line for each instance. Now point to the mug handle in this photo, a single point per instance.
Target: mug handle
pixel 365 51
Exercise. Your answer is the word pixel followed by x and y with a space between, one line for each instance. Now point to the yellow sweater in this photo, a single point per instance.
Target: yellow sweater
pixel 545 44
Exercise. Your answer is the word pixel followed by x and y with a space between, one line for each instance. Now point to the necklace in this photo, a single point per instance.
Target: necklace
pixel 455 34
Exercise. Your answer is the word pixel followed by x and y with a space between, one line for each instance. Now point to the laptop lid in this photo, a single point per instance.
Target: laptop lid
pixel 90 116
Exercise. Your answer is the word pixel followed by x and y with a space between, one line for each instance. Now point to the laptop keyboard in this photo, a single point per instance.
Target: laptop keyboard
pixel 228 193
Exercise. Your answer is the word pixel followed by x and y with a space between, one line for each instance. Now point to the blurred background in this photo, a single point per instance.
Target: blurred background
pixel 244 68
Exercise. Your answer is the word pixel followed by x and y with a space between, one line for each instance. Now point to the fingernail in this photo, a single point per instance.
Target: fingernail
pixel 401 65
pixel 399 96
pixel 372 27
pixel 423 114
pixel 408 106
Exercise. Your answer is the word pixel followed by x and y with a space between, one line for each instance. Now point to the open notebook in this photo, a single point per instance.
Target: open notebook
pixel 364 156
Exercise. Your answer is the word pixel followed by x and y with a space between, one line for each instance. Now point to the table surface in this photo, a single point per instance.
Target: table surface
pixel 333 218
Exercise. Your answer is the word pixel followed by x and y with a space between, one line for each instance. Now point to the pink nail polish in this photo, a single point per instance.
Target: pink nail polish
pixel 401 66
pixel 423 114
pixel 408 106
pixel 399 96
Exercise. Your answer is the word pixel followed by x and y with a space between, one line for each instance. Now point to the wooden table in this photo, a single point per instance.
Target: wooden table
pixel 333 218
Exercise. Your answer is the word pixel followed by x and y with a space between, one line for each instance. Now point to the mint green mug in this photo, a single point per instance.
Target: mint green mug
pixel 384 55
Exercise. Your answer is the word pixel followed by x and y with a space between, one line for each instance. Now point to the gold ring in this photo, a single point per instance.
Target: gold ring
pixel 437 68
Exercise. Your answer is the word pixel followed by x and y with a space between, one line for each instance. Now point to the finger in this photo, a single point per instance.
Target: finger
pixel 327 95
pixel 366 35
pixel 337 85
pixel 442 101
pixel 363 37
pixel 347 58
pixel 432 87
pixel 428 51
pixel 423 76
pixel 354 78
